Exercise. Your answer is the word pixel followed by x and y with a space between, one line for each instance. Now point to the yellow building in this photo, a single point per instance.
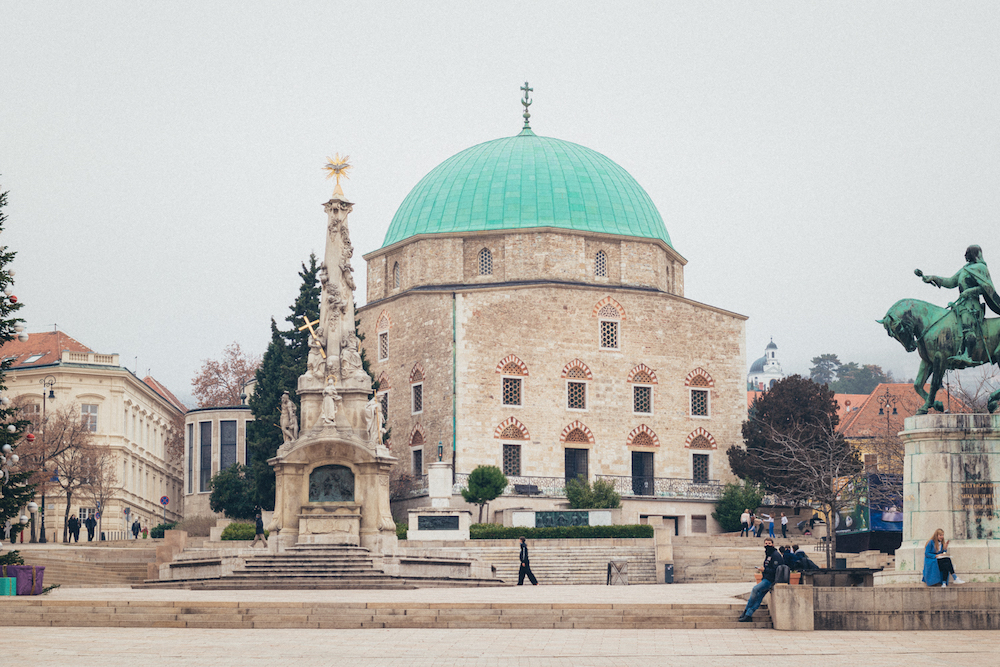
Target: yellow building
pixel 136 418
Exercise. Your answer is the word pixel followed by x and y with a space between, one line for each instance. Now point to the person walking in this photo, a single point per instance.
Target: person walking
pixel 135 529
pixel 74 528
pixel 784 526
pixel 758 526
pixel 770 524
pixel 525 566
pixel 259 534
pixel 745 523
pixel 91 524
pixel 767 576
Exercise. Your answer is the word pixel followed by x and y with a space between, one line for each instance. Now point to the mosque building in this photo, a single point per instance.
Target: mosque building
pixel 526 310
pixel 764 372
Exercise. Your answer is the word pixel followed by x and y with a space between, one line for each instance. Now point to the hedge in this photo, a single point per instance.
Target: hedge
pixel 401 528
pixel 158 530
pixel 241 531
pixel 492 531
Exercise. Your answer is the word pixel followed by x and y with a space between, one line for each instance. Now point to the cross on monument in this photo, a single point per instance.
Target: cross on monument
pixel 526 102
pixel 309 325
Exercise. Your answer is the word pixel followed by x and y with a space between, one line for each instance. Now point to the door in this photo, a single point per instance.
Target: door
pixel 642 473
pixel 576 464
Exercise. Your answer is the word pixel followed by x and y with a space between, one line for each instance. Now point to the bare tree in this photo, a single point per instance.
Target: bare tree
pixel 819 467
pixel 73 462
pixel 972 387
pixel 103 484
pixel 174 443
pixel 222 382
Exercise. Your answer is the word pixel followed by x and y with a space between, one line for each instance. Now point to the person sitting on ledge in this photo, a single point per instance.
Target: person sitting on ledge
pixel 937 563
pixel 767 571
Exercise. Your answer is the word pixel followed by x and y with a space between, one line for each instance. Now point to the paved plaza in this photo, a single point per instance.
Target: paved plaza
pixel 113 647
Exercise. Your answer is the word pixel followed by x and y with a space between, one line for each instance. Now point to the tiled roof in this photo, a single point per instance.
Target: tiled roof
pixel 48 344
pixel 867 422
pixel 848 404
pixel 164 392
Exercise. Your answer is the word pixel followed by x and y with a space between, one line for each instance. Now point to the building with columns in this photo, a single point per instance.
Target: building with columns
pixel 135 418
pixel 527 310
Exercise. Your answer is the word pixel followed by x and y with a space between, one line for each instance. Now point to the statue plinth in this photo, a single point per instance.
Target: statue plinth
pixel 951 480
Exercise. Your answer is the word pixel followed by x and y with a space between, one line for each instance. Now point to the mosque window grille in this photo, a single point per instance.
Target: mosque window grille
pixel 576 395
pixel 576 373
pixel 512 460
pixel 513 432
pixel 643 439
pixel 396 274
pixel 701 442
pixel 700 468
pixel 512 391
pixel 485 262
pixel 601 264
pixel 417 398
pixel 642 399
pixel 577 436
pixel 383 398
pixel 418 461
pixel 699 403
pixel 609 335
pixel 383 345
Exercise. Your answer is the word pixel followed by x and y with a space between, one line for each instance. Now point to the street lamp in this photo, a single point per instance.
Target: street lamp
pixel 32 509
pixel 47 392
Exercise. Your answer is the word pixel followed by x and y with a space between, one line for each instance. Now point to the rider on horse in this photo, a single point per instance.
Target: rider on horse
pixel 973 281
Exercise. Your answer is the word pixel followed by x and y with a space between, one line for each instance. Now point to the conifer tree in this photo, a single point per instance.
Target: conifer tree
pixel 15 489
pixel 283 363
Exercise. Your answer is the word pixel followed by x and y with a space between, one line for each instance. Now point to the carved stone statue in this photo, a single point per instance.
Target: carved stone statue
pixel 351 365
pixel 330 400
pixel 949 338
pixel 289 419
pixel 315 363
pixel 375 422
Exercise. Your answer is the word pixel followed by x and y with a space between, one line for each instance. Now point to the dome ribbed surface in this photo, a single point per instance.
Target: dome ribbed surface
pixel 523 182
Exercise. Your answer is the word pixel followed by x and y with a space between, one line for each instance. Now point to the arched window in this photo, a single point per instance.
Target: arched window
pixel 609 327
pixel 485 262
pixel 395 275
pixel 601 264
pixel 417 390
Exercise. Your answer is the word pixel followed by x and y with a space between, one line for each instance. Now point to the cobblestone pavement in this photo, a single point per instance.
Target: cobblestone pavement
pixel 82 647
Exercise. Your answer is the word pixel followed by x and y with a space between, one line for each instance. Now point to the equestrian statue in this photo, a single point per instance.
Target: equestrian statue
pixel 951 338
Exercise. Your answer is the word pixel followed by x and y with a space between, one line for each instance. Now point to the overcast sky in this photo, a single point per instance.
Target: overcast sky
pixel 163 159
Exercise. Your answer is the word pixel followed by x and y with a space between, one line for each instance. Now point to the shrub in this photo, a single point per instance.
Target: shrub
pixel 158 530
pixel 492 531
pixel 485 484
pixel 11 558
pixel 401 528
pixel 197 526
pixel 240 531
pixel 234 493
pixel 734 499
pixel 583 496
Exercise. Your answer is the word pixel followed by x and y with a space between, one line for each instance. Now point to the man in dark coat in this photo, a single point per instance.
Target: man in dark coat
pixel 525 566
pixel 91 524
pixel 74 528
pixel 135 529
pixel 771 561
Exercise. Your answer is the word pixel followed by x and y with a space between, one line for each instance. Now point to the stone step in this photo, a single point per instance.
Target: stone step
pixel 250 615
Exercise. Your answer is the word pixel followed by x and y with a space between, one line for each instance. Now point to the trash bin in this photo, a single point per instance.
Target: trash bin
pixel 668 573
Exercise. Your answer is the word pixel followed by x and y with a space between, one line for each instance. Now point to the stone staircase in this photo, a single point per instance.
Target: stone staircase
pixel 35 611
pixel 567 561
pixel 725 558
pixel 314 567
pixel 87 567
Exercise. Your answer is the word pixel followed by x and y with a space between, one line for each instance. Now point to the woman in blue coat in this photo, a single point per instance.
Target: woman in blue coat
pixel 937 563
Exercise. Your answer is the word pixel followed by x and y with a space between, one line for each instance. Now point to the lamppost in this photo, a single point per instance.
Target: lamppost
pixel 47 383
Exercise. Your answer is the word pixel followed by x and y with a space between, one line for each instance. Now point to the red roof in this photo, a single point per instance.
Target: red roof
pixel 848 404
pixel 164 392
pixel 884 410
pixel 41 348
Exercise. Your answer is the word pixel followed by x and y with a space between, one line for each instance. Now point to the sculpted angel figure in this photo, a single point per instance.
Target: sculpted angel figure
pixel 330 400
pixel 348 273
pixel 375 422
pixel 289 419
pixel 315 363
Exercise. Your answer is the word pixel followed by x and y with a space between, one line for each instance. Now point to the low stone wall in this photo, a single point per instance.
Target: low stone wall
pixel 968 607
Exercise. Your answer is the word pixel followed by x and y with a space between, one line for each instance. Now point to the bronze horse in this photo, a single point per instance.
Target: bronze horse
pixel 936 334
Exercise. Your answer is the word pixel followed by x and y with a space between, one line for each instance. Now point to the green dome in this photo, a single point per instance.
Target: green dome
pixel 524 182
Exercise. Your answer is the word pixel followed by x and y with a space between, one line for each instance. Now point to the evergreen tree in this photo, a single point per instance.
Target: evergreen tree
pixel 15 490
pixel 366 365
pixel 283 363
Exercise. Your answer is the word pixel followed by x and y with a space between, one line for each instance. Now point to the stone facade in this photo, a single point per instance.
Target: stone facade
pixel 134 418
pixel 536 317
pixel 205 431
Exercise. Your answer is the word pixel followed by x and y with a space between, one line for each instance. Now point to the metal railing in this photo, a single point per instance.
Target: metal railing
pixel 522 485
pixel 664 487
pixel 407 486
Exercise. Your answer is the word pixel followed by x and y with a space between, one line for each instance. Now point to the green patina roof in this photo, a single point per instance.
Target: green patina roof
pixel 523 182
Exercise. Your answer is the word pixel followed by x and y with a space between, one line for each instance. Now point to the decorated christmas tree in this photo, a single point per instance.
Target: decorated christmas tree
pixel 15 489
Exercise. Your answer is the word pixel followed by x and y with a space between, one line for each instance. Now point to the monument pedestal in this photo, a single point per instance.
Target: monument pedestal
pixel 951 480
